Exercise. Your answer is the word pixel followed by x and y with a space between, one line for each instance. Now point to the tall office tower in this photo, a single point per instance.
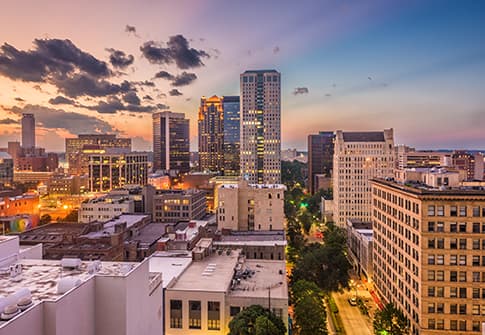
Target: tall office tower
pixel 429 255
pixel 261 126
pixel 78 149
pixel 320 157
pixel 28 131
pixel 230 105
pixel 358 157
pixel 171 142
pixel 211 134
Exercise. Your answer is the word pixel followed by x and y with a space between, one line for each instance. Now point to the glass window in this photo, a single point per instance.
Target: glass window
pixel 234 310
pixel 453 211
pixel 431 291
pixel 462 260
pixel 476 326
pixel 453 324
pixel 463 276
pixel 431 276
pixel 453 308
pixel 431 226
pixel 453 276
pixel 431 307
pixel 440 211
pixel 476 260
pixel 440 227
pixel 213 315
pixel 194 314
pixel 431 243
pixel 476 227
pixel 440 308
pixel 440 275
pixel 440 324
pixel 440 292
pixel 441 243
pixel 463 211
pixel 431 210
pixel 462 243
pixel 476 244
pixel 476 211
pixel 463 309
pixel 462 292
pixel 453 259
pixel 453 243
pixel 476 277
pixel 175 313
pixel 453 292
pixel 453 227
pixel 476 293
pixel 462 324
pixel 462 227
pixel 440 259
pixel 430 259
pixel 431 324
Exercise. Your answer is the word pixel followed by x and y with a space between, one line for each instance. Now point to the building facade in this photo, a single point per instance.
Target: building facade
pixel 171 146
pixel 320 157
pixel 116 169
pixel 211 134
pixel 260 154
pixel 471 163
pixel 178 205
pixel 28 131
pixel 78 149
pixel 232 133
pixel 250 207
pixel 6 169
pixel 429 255
pixel 358 157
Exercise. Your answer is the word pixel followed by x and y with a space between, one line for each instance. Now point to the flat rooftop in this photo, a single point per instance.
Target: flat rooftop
pixel 109 227
pixel 41 276
pixel 421 189
pixel 269 238
pixel 171 265
pixel 149 234
pixel 213 273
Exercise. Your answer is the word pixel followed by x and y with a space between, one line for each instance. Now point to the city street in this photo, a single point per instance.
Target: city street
pixel 354 322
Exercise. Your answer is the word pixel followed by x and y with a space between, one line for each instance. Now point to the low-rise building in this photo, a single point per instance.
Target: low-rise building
pixel 105 208
pixel 255 245
pixel 6 169
pixel 359 243
pixel 25 204
pixel 67 184
pixel 179 205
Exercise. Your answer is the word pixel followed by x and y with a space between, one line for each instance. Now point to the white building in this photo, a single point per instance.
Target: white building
pixel 250 207
pixel 74 297
pixel 261 126
pixel 358 157
pixel 105 208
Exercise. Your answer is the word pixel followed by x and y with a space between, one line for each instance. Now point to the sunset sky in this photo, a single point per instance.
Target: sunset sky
pixel 105 66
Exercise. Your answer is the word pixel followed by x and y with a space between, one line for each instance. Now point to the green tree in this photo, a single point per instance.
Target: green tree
pixel 390 321
pixel 45 219
pixel 292 173
pixel 310 314
pixel 256 320
pixel 72 216
pixel 305 218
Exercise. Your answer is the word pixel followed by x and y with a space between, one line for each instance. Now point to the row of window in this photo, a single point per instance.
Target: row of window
pixel 462 309
pixel 455 276
pixel 453 243
pixel 453 227
pixel 195 307
pixel 455 292
pixel 464 211
pixel 460 325
pixel 456 260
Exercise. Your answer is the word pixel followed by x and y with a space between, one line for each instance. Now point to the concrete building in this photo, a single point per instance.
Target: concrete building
pixel 254 245
pixel 17 205
pixel 320 158
pixel 211 134
pixel 210 292
pixel 434 177
pixel 6 169
pixel 261 126
pixel 358 157
pixel 471 163
pixel 68 184
pixel 116 168
pixel 28 131
pixel 428 255
pixel 407 157
pixel 171 142
pixel 32 177
pixel 78 149
pixel 105 208
pixel 179 205
pixel 250 207
pixel 359 245
pixel 71 296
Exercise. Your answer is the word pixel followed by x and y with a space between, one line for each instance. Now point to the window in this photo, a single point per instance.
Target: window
pixel 476 293
pixel 453 211
pixel 476 227
pixel 462 243
pixel 440 211
pixel 234 310
pixel 440 324
pixel 440 309
pixel 453 324
pixel 476 244
pixel 431 243
pixel 462 292
pixel 476 326
pixel 453 259
pixel 476 211
pixel 453 276
pixel 476 261
pixel 213 315
pixel 463 211
pixel 453 308
pixel 431 226
pixel 194 314
pixel 476 309
pixel 431 308
pixel 431 210
pixel 462 227
pixel 462 276
pixel 440 292
pixel 431 291
pixel 453 227
pixel 440 275
pixel 431 324
pixel 441 243
pixel 440 259
pixel 453 292
pixel 430 259
pixel 453 243
pixel 462 260
pixel 463 309
pixel 175 313
pixel 440 227
pixel 431 275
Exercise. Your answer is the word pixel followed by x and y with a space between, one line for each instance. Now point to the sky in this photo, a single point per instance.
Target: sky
pixel 106 66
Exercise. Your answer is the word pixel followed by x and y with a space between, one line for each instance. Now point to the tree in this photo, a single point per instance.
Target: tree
pixel 310 314
pixel 292 173
pixel 72 216
pixel 306 220
pixel 256 320
pixel 45 219
pixel 390 321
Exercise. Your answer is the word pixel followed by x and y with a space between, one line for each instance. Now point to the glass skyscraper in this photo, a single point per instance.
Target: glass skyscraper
pixel 231 135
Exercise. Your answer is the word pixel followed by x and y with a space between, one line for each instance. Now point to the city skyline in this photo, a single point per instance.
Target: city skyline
pixel 353 66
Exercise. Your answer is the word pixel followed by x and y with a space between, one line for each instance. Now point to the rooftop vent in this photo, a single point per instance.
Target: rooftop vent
pixel 67 283
pixel 9 312
pixel 12 300
pixel 72 263
pixel 24 303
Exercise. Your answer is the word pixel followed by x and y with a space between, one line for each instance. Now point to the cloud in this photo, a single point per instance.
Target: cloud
pixel 131 30
pixel 75 123
pixel 174 92
pixel 147 97
pixel 60 100
pixel 120 59
pixel 144 83
pixel 132 98
pixel 177 51
pixel 276 49
pixel 163 106
pixel 19 99
pixel 8 121
pixel 300 90
pixel 183 79
pixel 82 84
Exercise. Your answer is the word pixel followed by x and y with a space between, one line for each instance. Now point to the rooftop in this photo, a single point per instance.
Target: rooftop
pixel 149 234
pixel 364 136
pixel 109 227
pixel 171 264
pixel 421 189
pixel 266 238
pixel 260 71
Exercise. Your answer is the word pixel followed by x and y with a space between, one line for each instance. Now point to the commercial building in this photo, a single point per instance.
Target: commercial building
pixel 471 163
pixel 6 169
pixel 358 157
pixel 254 245
pixel 105 208
pixel 116 168
pixel 360 247
pixel 28 131
pixel 261 126
pixel 211 134
pixel 429 255
pixel 232 133
pixel 320 157
pixel 67 184
pixel 179 205
pixel 22 204
pixel 250 207
pixel 71 296
pixel 171 142
pixel 211 291
pixel 407 157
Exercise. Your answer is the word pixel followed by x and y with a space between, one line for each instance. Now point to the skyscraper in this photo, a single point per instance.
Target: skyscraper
pixel 320 157
pixel 211 134
pixel 232 119
pixel 28 131
pixel 261 126
pixel 358 157
pixel 171 142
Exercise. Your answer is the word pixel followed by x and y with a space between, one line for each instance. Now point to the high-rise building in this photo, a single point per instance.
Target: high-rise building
pixel 28 131
pixel 261 126
pixel 78 149
pixel 429 255
pixel 472 164
pixel 231 147
pixel 171 142
pixel 6 169
pixel 359 157
pixel 116 168
pixel 211 134
pixel 320 157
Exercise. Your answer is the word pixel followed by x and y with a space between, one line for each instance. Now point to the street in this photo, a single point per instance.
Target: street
pixel 354 322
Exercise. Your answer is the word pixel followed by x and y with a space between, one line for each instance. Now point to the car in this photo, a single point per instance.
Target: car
pixel 353 301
